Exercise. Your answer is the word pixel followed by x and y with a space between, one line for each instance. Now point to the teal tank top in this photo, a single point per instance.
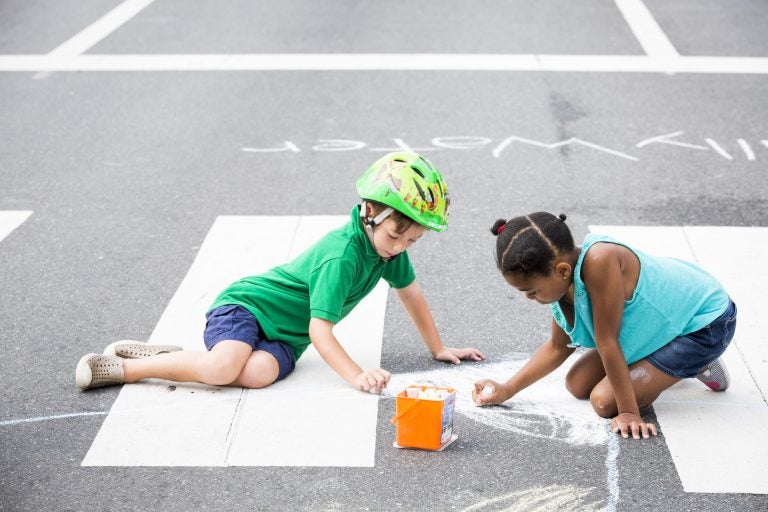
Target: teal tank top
pixel 672 298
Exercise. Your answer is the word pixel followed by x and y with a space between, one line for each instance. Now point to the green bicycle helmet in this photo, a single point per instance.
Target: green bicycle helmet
pixel 410 184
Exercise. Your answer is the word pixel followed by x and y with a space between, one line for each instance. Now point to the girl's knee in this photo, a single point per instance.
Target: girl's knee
pixel 603 403
pixel 584 375
pixel 576 387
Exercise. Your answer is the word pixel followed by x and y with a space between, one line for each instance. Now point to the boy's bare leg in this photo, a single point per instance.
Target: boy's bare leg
pixel 219 366
pixel 259 371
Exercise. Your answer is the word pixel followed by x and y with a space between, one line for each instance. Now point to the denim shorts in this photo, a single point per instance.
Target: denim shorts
pixel 232 322
pixel 686 355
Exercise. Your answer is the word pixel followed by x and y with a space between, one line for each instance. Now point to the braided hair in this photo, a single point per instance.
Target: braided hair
pixel 529 244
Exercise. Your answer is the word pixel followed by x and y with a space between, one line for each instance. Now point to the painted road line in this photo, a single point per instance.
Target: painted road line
pixel 648 33
pixel 157 423
pixel 10 220
pixel 314 418
pixel 715 439
pixel 100 29
pixel 386 62
pixel 150 425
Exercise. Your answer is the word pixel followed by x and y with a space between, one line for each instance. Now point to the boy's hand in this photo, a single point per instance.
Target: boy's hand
pixel 455 355
pixel 628 422
pixel 373 380
pixel 488 392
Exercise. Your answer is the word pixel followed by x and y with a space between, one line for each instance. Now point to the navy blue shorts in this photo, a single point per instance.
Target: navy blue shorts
pixel 232 322
pixel 686 355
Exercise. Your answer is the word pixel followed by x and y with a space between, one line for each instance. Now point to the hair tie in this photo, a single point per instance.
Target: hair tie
pixel 501 228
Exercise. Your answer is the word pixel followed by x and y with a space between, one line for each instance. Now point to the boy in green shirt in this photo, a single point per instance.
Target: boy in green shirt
pixel 259 326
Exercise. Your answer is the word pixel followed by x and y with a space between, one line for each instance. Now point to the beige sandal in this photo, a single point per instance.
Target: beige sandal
pixel 131 349
pixel 98 370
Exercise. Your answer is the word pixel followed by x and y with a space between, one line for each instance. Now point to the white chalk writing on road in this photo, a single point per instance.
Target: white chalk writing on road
pixel 727 151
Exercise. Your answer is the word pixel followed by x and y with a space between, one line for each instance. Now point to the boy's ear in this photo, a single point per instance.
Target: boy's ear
pixel 369 211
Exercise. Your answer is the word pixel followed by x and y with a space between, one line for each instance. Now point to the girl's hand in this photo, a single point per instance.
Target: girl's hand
pixel 373 380
pixel 455 355
pixel 627 422
pixel 488 392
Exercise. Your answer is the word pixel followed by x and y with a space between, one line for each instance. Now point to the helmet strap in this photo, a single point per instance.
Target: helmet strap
pixel 370 222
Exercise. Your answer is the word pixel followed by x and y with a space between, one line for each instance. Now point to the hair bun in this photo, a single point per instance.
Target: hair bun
pixel 498 227
pixel 562 217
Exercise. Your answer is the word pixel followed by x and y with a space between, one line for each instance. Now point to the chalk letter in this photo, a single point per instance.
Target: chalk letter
pixel 664 139
pixel 461 142
pixel 717 147
pixel 573 140
pixel 746 148
pixel 402 146
pixel 289 146
pixel 338 145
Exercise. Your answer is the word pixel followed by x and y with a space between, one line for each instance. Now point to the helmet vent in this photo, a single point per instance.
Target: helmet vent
pixel 417 171
pixel 420 190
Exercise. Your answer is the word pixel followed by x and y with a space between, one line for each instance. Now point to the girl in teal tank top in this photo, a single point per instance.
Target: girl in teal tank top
pixel 648 321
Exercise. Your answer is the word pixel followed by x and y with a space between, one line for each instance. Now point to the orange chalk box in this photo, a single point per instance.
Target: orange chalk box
pixel 424 417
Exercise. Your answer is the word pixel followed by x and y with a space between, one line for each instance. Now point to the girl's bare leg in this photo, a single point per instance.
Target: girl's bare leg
pixel 647 381
pixel 219 366
pixel 586 379
pixel 584 375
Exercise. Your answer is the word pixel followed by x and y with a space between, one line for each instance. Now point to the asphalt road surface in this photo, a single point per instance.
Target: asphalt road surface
pixel 129 127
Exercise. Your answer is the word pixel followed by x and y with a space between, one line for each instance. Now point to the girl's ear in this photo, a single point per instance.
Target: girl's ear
pixel 563 270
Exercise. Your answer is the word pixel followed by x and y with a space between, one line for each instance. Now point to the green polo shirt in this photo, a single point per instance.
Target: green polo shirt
pixel 326 281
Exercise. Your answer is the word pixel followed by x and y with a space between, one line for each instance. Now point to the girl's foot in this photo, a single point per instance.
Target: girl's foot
pixel 131 349
pixel 98 370
pixel 715 376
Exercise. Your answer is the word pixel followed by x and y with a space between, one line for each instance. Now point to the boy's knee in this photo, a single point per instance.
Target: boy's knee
pixel 260 371
pixel 221 371
pixel 254 380
pixel 220 375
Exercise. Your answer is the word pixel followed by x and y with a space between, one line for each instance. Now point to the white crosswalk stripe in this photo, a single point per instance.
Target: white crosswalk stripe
pixel 312 418
pixel 10 220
